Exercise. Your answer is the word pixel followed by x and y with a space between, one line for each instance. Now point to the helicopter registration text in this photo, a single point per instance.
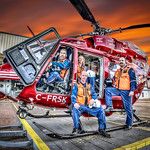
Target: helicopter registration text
pixel 53 98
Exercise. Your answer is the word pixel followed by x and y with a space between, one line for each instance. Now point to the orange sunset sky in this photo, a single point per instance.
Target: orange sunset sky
pixel 15 15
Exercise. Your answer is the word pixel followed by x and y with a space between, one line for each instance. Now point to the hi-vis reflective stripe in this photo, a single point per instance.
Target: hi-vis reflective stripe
pixel 37 140
pixel 135 146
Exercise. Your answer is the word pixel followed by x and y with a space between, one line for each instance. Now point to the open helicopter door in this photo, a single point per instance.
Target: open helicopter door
pixel 28 57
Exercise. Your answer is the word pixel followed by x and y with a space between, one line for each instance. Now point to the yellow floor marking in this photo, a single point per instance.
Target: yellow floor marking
pixel 135 146
pixel 37 140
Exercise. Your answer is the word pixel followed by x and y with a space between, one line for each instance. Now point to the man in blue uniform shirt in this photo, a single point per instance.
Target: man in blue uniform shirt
pixel 60 67
pixel 84 100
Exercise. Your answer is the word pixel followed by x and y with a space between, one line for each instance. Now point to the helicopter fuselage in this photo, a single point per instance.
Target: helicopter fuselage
pixel 101 49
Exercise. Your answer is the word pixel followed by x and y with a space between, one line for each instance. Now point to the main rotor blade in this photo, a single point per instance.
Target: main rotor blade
pixel 84 11
pixel 81 35
pixel 132 27
pixel 136 26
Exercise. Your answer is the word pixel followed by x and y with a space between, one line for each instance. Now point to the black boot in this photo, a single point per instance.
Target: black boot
pixel 77 131
pixel 104 133
pixel 74 130
pixel 127 127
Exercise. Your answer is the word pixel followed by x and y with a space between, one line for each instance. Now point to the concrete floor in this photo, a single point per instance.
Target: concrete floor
pixel 64 125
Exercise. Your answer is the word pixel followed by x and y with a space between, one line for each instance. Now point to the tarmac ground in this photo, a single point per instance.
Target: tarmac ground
pixel 136 138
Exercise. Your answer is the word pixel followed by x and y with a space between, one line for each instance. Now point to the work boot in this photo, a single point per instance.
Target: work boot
pixel 74 130
pixel 77 131
pixel 109 108
pixel 104 133
pixel 126 128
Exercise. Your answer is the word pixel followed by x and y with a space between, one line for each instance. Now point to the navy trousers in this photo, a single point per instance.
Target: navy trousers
pixel 54 76
pixel 97 112
pixel 127 101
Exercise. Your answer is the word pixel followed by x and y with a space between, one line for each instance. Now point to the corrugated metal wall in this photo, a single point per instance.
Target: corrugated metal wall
pixel 8 40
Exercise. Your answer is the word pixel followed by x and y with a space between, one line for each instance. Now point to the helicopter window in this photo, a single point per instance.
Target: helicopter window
pixel 90 42
pixel 93 66
pixel 112 69
pixel 57 76
pixel 41 47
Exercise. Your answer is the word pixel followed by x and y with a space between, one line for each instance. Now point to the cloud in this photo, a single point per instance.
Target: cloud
pixel 39 15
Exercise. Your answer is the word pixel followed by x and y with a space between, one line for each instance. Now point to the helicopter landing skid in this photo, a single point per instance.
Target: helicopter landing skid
pixel 23 113
pixel 54 134
pixel 51 133
pixel 47 115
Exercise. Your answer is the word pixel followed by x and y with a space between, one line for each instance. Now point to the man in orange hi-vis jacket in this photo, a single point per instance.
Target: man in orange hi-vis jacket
pixel 124 86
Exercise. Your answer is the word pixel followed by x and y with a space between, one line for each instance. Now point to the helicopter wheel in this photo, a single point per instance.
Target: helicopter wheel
pixel 22 113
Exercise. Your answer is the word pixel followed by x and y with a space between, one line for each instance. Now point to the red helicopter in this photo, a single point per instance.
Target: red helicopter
pixel 22 77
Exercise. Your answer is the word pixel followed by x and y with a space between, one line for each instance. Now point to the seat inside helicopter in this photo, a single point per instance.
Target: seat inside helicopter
pixel 62 87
